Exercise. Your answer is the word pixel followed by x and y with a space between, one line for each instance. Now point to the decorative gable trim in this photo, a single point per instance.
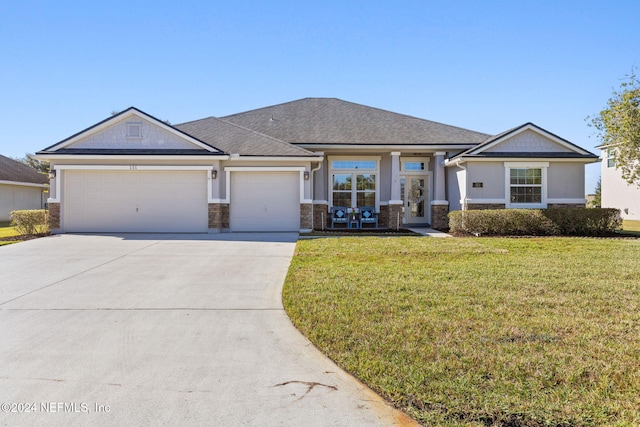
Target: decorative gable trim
pixel 494 141
pixel 131 115
pixel 483 152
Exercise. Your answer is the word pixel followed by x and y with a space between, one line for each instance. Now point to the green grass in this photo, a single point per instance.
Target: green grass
pixel 473 332
pixel 630 225
pixel 6 230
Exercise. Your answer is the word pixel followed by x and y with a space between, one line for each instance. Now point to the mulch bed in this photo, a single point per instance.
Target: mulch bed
pixel 21 238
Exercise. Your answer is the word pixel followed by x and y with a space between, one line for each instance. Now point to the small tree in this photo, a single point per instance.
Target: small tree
pixel 41 166
pixel 597 197
pixel 618 127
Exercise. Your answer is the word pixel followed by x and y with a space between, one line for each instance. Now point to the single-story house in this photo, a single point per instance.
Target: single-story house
pixel 615 191
pixel 283 168
pixel 21 187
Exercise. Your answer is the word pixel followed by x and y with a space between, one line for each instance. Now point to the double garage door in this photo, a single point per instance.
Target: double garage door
pixel 176 201
pixel 135 201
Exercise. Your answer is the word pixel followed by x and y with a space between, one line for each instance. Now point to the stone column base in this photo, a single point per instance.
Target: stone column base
pixel 439 217
pixel 321 216
pixel 219 216
pixel 394 217
pixel 306 210
pixel 54 216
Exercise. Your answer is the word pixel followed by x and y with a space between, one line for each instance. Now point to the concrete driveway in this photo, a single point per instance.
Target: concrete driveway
pixel 163 330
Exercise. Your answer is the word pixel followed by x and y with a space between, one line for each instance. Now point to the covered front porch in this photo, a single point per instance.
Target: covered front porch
pixel 405 189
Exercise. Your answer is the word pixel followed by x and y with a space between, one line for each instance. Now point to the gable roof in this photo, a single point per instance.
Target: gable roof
pixel 200 147
pixel 11 170
pixel 234 139
pixel 331 121
pixel 571 151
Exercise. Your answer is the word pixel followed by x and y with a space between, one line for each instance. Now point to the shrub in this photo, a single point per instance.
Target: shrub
pixel 501 222
pixel 536 222
pixel 585 222
pixel 30 222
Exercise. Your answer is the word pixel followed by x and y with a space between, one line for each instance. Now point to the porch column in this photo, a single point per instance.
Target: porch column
pixel 439 204
pixel 395 178
pixel 395 204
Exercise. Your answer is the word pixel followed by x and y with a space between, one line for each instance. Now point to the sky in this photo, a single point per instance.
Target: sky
pixel 487 65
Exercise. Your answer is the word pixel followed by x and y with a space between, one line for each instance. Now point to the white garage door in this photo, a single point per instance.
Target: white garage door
pixel 265 201
pixel 135 201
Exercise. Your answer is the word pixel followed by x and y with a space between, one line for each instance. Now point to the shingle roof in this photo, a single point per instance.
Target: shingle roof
pixel 334 121
pixel 235 139
pixel 11 170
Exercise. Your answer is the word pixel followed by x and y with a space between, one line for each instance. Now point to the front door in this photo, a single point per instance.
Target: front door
pixel 415 197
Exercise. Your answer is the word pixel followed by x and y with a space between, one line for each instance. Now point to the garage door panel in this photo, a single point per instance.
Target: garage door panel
pixel 265 201
pixel 135 201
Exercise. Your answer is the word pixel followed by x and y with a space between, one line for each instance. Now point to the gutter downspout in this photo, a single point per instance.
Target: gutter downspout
pixel 466 184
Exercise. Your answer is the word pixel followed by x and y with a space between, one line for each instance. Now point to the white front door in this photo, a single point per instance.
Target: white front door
pixel 415 197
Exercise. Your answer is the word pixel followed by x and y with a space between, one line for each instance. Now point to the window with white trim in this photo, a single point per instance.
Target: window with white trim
pixel 611 157
pixel 354 182
pixel 525 185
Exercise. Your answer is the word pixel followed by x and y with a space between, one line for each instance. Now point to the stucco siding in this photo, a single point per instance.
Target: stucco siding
pixel 617 193
pixel 455 180
pixel 18 197
pixel 565 181
pixel 152 137
pixel 530 142
pixel 488 174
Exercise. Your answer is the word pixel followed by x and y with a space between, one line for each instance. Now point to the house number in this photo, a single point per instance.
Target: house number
pixel 133 167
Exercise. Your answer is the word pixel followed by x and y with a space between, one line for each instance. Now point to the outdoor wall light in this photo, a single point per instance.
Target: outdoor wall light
pixel 214 174
pixel 306 175
pixel 52 174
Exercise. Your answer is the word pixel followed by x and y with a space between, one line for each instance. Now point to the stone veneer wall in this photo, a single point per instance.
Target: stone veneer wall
pixel 440 217
pixel 318 211
pixel 219 216
pixel 566 205
pixel 482 206
pixel 392 217
pixel 54 216
pixel 306 210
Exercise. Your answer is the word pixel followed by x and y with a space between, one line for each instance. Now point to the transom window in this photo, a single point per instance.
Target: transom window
pixel 526 185
pixel 354 182
pixel 353 164
pixel 413 166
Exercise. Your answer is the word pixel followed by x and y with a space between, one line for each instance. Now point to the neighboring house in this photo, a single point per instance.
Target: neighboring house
pixel 615 191
pixel 282 168
pixel 21 187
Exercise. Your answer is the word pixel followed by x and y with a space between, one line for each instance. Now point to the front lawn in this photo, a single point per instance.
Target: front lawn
pixel 631 225
pixel 482 331
pixel 6 233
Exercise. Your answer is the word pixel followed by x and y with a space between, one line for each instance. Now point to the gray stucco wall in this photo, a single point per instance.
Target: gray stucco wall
pixel 565 181
pixel 491 175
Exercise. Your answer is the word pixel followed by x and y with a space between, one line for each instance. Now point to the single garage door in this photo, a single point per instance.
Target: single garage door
pixel 265 201
pixel 134 201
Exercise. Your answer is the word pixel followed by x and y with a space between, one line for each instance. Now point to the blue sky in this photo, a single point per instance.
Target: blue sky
pixel 482 65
